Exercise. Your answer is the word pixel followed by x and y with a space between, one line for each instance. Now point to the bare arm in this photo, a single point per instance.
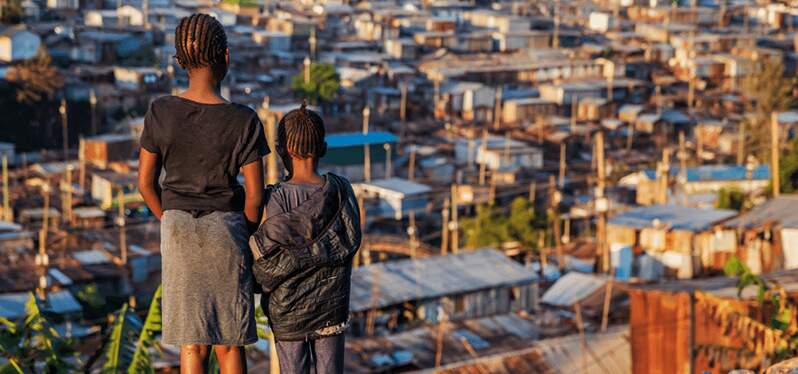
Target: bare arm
pixel 149 172
pixel 253 187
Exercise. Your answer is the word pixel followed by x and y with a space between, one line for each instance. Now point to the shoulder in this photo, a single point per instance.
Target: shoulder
pixel 244 113
pixel 163 102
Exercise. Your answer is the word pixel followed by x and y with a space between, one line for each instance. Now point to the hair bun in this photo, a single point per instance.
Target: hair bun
pixel 304 105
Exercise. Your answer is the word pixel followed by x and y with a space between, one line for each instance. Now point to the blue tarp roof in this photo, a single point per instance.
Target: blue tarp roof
pixel 351 139
pixel 708 173
pixel 671 216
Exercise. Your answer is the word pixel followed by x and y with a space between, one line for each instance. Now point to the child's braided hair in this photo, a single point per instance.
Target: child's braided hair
pixel 200 41
pixel 301 132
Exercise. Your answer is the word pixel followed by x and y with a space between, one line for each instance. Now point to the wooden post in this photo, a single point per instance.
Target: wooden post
pixel 774 153
pixel 412 232
pixel 555 39
pixel 454 225
pixel 605 315
pixel 483 165
pixel 269 129
pixel 506 155
pixel 122 231
pixel 274 362
pixel 366 147
pixel 6 197
pixel 561 176
pixel 574 112
pixel 62 109
pixel 740 143
pixel 445 227
pixel 411 167
pixel 439 338
pixel 403 110
pixel 364 252
pixel 600 200
pixel 582 339
pixel 554 197
pixel 67 196
pixel 93 104
pixel 306 64
pixel 683 167
pixel 82 164
pixel 42 259
pixel 388 160
pixel 532 192
pixel 497 107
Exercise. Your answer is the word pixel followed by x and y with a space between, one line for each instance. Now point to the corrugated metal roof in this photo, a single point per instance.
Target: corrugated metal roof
pixel 12 305
pixel 708 173
pixel 91 257
pixel 572 288
pixel 351 139
pixel 782 210
pixel 671 216
pixel 62 302
pixel 399 185
pixel 608 353
pixel 405 280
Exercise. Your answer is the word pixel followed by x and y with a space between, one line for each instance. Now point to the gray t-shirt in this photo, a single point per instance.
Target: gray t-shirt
pixel 286 196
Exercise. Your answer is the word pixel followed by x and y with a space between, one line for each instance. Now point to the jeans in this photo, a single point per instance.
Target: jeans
pixel 319 356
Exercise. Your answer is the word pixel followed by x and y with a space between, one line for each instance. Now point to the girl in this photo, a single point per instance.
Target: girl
pixel 202 142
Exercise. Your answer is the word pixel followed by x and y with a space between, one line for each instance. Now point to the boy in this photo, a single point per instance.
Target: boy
pixel 303 251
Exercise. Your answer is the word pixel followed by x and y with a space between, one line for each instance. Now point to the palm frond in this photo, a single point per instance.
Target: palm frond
pixel 121 345
pixel 141 361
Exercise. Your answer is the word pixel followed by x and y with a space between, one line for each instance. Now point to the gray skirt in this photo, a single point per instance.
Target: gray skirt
pixel 207 279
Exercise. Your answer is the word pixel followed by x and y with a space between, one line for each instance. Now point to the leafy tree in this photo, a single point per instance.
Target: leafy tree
pixel 32 345
pixel 11 12
pixel 491 226
pixel 35 79
pixel 323 85
pixel 730 198
pixel 768 90
pixel 788 170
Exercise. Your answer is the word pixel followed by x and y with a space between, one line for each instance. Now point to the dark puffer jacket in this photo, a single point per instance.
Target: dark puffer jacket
pixel 306 265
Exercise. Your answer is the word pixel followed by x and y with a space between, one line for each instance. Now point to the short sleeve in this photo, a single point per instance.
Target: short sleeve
pixel 147 140
pixel 254 145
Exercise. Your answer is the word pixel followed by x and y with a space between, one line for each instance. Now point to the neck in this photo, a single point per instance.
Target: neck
pixel 203 88
pixel 304 171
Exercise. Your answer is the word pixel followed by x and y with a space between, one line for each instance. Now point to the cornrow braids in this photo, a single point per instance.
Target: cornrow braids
pixel 301 132
pixel 200 41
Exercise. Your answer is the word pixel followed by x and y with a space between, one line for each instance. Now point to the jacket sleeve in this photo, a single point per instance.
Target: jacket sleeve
pixel 273 268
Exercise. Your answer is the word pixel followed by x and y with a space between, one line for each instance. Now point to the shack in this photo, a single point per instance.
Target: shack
pixel 767 235
pixel 346 154
pixel 662 240
pixel 393 197
pixel 391 294
pixel 695 326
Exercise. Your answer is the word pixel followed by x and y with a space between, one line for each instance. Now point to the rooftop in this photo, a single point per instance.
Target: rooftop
pixel 672 217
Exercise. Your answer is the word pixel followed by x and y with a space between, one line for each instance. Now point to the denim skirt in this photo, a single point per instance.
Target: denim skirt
pixel 207 279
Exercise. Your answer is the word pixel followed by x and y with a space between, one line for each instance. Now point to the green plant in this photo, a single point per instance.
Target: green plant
pixel 730 198
pixel 492 226
pixel 130 340
pixel 769 91
pixel 322 85
pixel 32 345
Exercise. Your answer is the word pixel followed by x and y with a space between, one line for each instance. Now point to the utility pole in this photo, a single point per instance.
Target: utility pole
pixel 574 112
pixel 312 43
pixel 774 153
pixel 497 109
pixel 561 176
pixel 439 338
pixel 120 221
pixel 445 227
pixel 66 201
pixel 388 160
pixel 7 216
pixel 412 233
pixel 93 104
pixel 601 203
pixel 411 167
pixel 454 224
pixel 554 202
pixel 555 41
pixel 403 110
pixel 272 174
pixel 683 166
pixel 42 259
pixel 740 143
pixel 306 64
pixel 82 164
pixel 62 109
pixel 483 165
pixel 366 146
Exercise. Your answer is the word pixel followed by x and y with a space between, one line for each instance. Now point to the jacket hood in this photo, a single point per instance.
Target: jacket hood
pixel 324 228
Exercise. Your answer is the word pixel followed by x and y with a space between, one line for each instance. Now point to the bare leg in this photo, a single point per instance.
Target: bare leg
pixel 232 359
pixel 194 359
